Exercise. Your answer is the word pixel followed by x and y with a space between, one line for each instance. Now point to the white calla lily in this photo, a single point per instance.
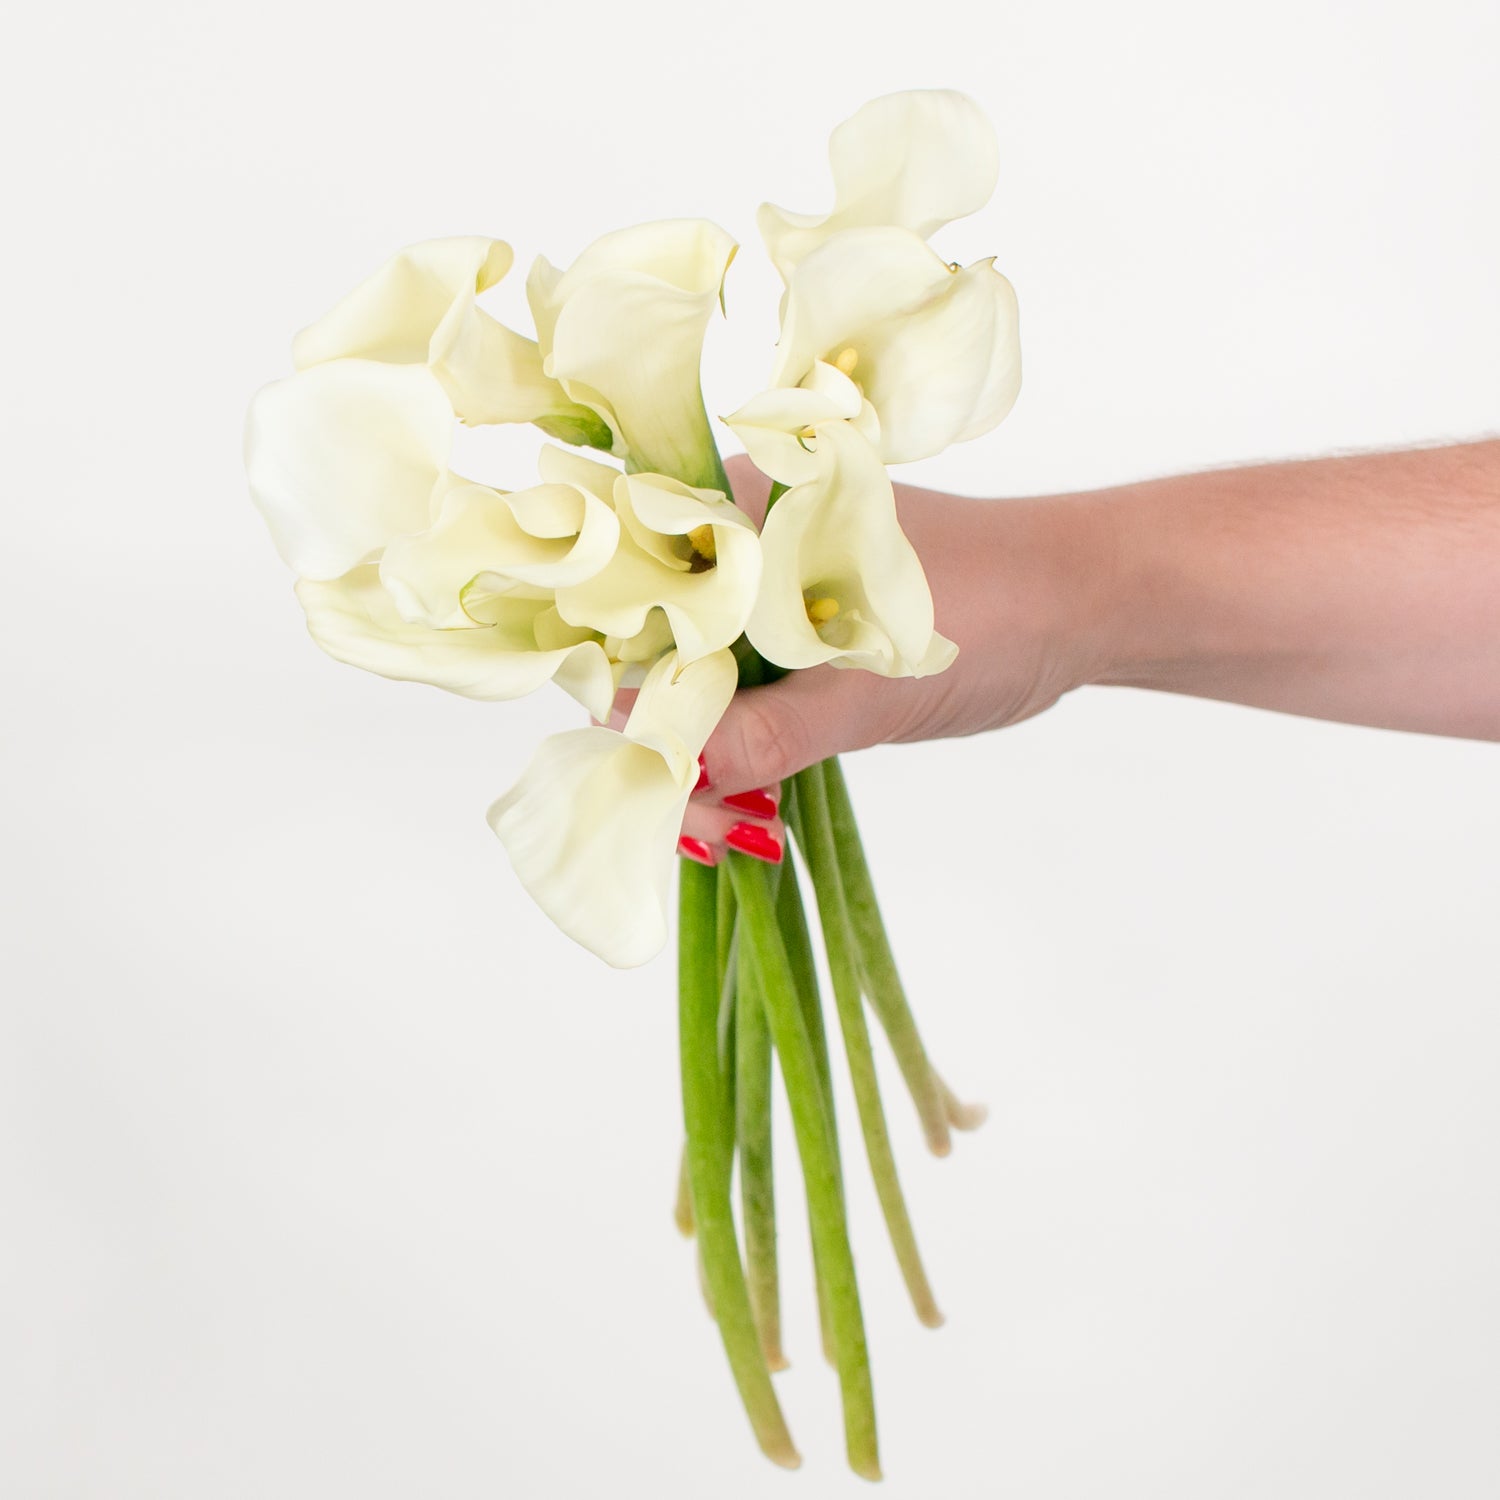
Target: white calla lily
pixel 689 553
pixel 420 308
pixel 484 542
pixel 915 160
pixel 591 827
pixel 842 584
pixel 622 330
pixel 345 456
pixel 934 349
pixel 520 646
pixel 778 425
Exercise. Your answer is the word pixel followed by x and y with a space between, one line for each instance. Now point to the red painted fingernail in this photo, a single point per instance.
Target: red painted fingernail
pixel 759 804
pixel 703 782
pixel 752 839
pixel 696 849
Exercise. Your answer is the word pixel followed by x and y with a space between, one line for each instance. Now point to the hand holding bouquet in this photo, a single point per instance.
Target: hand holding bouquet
pixel 642 573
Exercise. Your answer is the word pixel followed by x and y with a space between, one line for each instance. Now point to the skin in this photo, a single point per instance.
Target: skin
pixel 1360 589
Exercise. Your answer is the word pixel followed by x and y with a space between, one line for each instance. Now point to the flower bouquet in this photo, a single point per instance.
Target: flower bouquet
pixel 644 574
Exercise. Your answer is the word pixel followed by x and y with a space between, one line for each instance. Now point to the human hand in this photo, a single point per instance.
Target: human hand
pixel 1016 584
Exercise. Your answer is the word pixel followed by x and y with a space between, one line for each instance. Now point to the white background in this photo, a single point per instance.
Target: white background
pixel 327 1168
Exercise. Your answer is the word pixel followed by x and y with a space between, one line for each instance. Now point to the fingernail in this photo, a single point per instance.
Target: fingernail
pixel 752 839
pixel 759 804
pixel 703 782
pixel 696 849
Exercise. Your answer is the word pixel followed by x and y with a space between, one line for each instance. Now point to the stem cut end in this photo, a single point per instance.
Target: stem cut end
pixel 782 1454
pixel 961 1116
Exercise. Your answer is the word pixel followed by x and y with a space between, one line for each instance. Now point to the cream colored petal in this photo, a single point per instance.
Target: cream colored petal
pixel 622 330
pixel 493 374
pixel 393 316
pixel 850 285
pixel 591 827
pixel 835 541
pixel 949 370
pixel 1002 383
pixel 656 566
pixel 355 620
pixel 541 297
pixel 548 536
pixel 777 426
pixel 343 457
pixel 917 160
pixel 420 308
pixel 589 678
pixel 558 466
pixel 647 645
pixel 689 254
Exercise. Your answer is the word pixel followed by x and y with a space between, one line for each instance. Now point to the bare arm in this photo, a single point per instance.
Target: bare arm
pixel 1363 589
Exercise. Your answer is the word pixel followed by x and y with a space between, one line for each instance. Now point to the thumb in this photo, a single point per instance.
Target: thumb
pixel 772 732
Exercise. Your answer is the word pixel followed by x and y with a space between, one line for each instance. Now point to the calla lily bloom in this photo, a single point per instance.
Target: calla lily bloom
pixel 842 584
pixel 622 330
pixel 933 348
pixel 915 160
pixel 777 427
pixel 406 569
pixel 484 542
pixel 420 308
pixel 517 644
pixel 592 825
pixel 687 555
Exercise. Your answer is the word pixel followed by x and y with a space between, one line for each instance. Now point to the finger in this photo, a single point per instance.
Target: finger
pixel 763 802
pixel 769 733
pixel 619 710
pixel 709 831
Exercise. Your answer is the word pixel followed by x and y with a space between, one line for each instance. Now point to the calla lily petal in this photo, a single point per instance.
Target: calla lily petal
pixel 916 160
pixel 689 552
pixel 591 827
pixel 549 536
pixel 394 315
pixel 355 620
pixel 849 289
pixel 934 349
pixel 777 426
pixel 949 371
pixel 622 330
pixel 345 456
pixel 558 466
pixel 419 308
pixel 841 583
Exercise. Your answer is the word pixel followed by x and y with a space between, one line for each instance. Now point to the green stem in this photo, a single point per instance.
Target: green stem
pixel 791 917
pixel 752 1100
pixel 682 1210
pixel 725 942
pixel 708 1115
pixel 822 858
pixel 816 1147
pixel 877 964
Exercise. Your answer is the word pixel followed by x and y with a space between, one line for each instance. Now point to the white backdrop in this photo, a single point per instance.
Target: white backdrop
pixel 328 1169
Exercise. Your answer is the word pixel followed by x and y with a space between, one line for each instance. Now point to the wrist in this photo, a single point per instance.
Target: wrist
pixel 1070 585
pixel 1026 587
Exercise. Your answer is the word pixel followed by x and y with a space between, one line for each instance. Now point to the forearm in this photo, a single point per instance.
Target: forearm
pixel 1362 589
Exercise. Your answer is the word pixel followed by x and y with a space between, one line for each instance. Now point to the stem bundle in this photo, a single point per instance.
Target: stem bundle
pixel 750 1005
